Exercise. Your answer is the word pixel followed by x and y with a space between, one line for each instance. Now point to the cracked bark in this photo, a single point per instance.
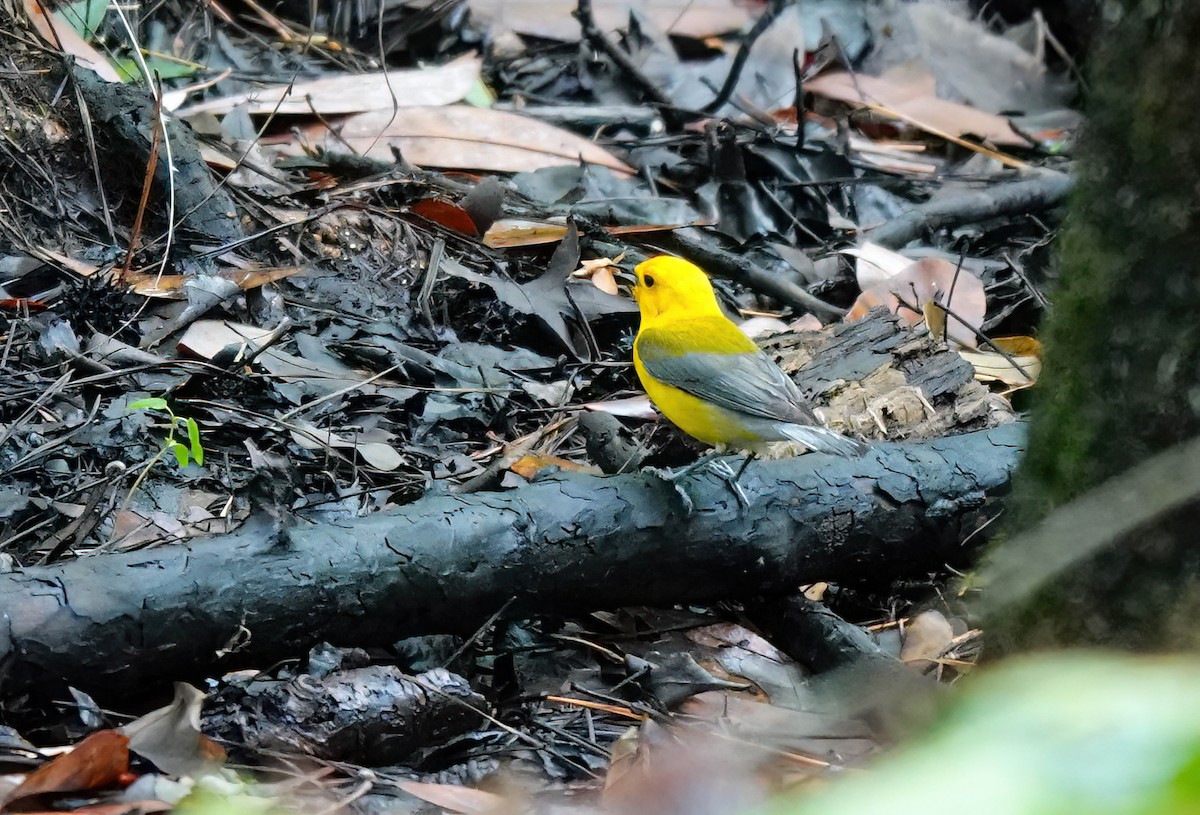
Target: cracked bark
pixel 564 544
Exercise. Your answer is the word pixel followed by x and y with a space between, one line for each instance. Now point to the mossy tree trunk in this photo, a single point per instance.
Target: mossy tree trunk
pixel 1122 376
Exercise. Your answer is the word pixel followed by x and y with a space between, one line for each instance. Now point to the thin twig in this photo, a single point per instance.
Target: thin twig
pixel 739 60
pixel 595 37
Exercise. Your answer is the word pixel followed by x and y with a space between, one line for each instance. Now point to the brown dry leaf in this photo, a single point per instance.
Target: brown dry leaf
pixel 510 233
pixel 453 798
pixel 552 20
pixel 994 367
pixel 603 280
pixel 600 272
pixel 467 138
pixel 930 280
pixel 355 93
pixel 170 286
pixel 916 99
pixel 926 637
pixel 529 466
pixel 171 738
pixel 142 807
pixel 872 299
pixel 935 320
pixel 55 31
pixel 98 761
pixel 447 214
pixel 625 758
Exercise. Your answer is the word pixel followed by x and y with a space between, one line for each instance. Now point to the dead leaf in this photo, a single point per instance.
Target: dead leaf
pixel 170 737
pixel 100 760
pixel 991 366
pixel 603 280
pixel 55 31
pixel 354 93
pixel 446 213
pixel 377 453
pixel 916 99
pixel 170 287
pixel 875 264
pixel 510 233
pixel 320 375
pixel 552 20
pixel 634 407
pixel 464 138
pixel 930 280
pixel 926 638
pixel 454 798
pixel 600 272
pixel 529 466
pixel 761 326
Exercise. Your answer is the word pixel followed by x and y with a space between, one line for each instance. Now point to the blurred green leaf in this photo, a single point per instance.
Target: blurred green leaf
pixel 1085 733
pixel 165 68
pixel 480 95
pixel 181 453
pixel 85 16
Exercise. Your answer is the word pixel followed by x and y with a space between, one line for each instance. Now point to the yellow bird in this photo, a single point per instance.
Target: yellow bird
pixel 709 378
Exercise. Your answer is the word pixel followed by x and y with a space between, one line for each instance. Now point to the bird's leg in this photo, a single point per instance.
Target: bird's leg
pixel 731 478
pixel 706 462
pixel 672 477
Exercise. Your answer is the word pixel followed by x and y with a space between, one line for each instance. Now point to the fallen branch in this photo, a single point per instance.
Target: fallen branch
pixel 996 201
pixel 117 622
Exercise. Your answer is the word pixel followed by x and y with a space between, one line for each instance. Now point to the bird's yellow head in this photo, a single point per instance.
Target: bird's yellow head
pixel 666 284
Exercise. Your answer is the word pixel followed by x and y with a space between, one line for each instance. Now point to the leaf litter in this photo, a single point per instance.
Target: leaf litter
pixel 419 297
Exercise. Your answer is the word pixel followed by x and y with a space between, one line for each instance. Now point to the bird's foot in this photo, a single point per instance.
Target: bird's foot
pixel 672 477
pixel 719 468
pixel 722 470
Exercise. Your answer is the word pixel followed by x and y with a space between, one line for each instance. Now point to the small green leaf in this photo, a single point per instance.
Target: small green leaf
pixel 181 453
pixel 153 403
pixel 130 71
pixel 193 431
pixel 480 95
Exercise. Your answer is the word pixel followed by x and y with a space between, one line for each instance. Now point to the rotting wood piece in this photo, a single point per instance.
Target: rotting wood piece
pixel 568 543
pixel 880 379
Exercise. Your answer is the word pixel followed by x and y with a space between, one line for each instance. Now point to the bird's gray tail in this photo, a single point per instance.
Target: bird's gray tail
pixel 823 440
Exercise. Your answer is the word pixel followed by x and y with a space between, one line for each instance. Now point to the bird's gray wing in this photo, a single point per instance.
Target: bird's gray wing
pixel 748 383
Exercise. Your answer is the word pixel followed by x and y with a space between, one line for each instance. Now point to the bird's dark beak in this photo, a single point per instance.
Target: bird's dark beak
pixel 626 279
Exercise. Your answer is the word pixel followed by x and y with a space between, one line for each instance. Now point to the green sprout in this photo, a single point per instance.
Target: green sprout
pixel 183 452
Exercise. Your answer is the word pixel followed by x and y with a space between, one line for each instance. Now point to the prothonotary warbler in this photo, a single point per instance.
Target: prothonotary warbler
pixel 709 378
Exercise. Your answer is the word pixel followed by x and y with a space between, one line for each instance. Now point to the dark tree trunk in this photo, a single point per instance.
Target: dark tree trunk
pixel 1122 375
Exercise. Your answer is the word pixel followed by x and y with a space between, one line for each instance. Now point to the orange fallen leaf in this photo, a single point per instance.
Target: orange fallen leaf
pixel 98 761
pixel 528 466
pixel 446 213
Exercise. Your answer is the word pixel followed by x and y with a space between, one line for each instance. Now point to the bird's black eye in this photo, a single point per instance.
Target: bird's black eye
pixel 648 280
